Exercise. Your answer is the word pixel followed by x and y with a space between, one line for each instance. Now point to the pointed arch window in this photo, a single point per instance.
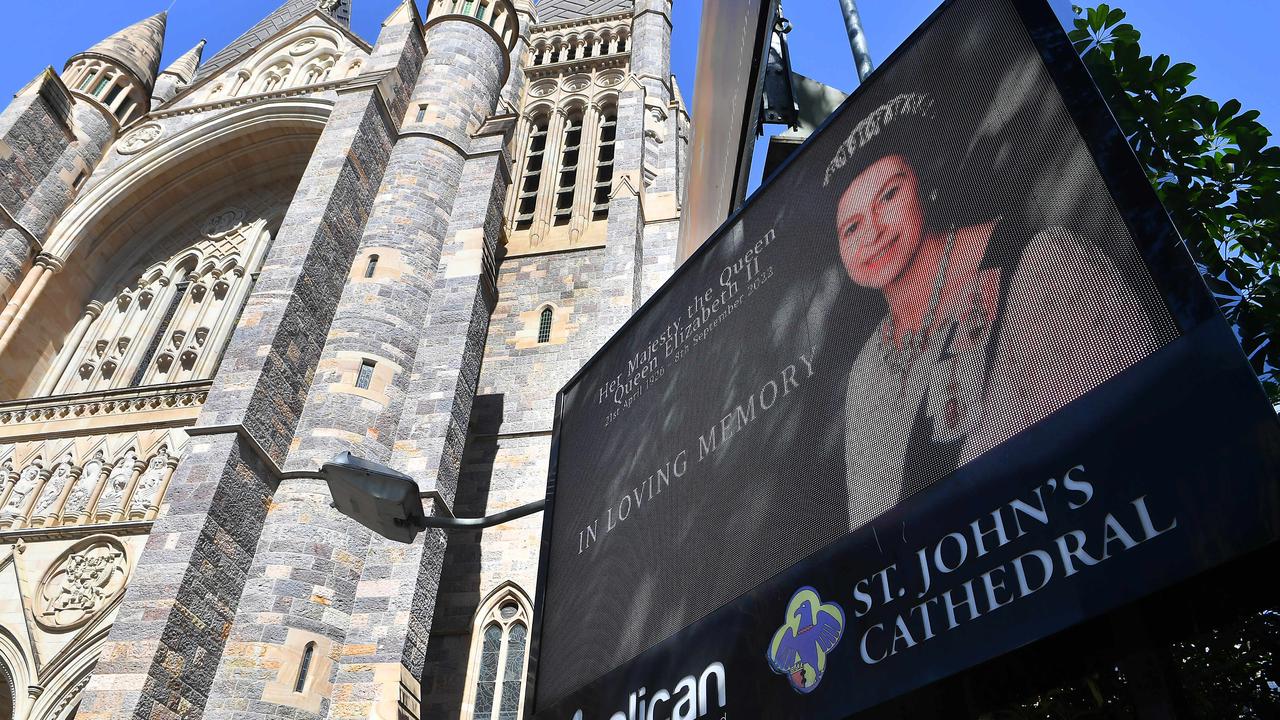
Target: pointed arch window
pixel 531 180
pixel 304 667
pixel 499 663
pixel 113 94
pixel 603 183
pixel 568 176
pixel 544 325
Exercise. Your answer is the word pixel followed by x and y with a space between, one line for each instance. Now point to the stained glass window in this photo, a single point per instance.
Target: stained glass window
pixel 501 651
pixel 487 681
pixel 513 673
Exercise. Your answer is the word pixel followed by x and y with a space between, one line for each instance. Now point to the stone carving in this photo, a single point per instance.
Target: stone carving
pixel 610 79
pixel 21 489
pixel 53 487
pixel 223 222
pixel 305 45
pixel 139 138
pixel 328 5
pixel 543 89
pixel 117 482
pixel 83 580
pixel 151 478
pixel 78 499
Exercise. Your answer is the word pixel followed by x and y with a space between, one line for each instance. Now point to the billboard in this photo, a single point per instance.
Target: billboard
pixel 947 384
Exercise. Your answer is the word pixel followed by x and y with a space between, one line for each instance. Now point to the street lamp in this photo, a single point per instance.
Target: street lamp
pixel 389 502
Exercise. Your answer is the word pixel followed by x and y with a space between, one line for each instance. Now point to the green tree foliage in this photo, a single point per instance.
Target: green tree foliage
pixel 1211 166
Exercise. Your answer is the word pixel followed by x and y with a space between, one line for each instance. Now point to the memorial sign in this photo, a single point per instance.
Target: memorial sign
pixel 947 385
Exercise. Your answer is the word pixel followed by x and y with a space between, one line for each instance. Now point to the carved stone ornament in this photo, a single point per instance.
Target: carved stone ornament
pixel 543 89
pixel 53 488
pixel 305 45
pixel 138 138
pixel 80 583
pixel 21 489
pixel 79 496
pixel 609 79
pixel 117 482
pixel 577 83
pixel 223 222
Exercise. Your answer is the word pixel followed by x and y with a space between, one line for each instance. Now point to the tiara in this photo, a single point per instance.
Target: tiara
pixel 905 104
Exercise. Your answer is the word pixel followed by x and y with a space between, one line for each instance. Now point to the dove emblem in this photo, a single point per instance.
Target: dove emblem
pixel 800 647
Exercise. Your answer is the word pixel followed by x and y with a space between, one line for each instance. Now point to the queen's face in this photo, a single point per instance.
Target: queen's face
pixel 879 222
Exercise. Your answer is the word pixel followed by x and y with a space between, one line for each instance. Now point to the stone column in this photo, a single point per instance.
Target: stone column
pixel 161 655
pixel 70 351
pixel 21 514
pixel 552 155
pixel 519 150
pixel 302 591
pixel 55 510
pixel 99 484
pixel 44 268
pixel 385 648
pixel 623 237
pixel 651 62
pixel 584 187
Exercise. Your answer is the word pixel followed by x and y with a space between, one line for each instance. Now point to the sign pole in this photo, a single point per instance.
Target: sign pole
pixel 857 38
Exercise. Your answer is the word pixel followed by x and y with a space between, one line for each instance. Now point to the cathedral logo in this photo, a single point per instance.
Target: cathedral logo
pixel 800 647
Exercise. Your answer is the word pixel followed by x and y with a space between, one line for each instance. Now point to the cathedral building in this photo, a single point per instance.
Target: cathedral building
pixel 216 276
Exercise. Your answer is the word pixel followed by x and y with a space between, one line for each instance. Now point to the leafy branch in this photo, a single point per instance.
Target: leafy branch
pixel 1212 168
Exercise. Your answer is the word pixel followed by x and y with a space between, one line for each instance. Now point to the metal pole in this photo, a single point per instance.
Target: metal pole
pixel 857 38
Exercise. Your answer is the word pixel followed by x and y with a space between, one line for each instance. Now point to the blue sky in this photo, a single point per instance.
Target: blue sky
pixel 1233 42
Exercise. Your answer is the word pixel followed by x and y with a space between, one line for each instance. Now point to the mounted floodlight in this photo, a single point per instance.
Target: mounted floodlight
pixel 389 502
pixel 383 500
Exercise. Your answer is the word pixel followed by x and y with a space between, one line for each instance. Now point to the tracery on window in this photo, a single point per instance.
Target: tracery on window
pixel 499 652
pixel 168 323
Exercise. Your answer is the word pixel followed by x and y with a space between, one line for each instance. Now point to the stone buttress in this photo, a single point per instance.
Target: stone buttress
pixel 327 606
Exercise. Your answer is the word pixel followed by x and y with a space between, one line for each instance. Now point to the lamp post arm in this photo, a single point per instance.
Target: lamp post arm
pixel 457 523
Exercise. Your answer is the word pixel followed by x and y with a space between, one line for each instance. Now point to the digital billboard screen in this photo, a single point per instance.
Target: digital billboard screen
pixel 941 388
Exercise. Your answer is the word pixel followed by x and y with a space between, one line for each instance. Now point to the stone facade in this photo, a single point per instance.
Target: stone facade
pixel 217 277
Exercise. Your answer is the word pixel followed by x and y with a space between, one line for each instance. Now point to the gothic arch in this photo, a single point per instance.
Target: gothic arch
pixel 14 675
pixel 117 220
pixel 508 609
pixel 67 674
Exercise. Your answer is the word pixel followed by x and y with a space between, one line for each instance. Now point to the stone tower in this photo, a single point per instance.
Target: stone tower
pixel 219 276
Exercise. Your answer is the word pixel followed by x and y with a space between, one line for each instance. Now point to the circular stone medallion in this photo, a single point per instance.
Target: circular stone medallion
pixel 138 138
pixel 80 583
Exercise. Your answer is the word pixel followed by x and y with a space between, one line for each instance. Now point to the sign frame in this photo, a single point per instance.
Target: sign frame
pixel 1166 256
